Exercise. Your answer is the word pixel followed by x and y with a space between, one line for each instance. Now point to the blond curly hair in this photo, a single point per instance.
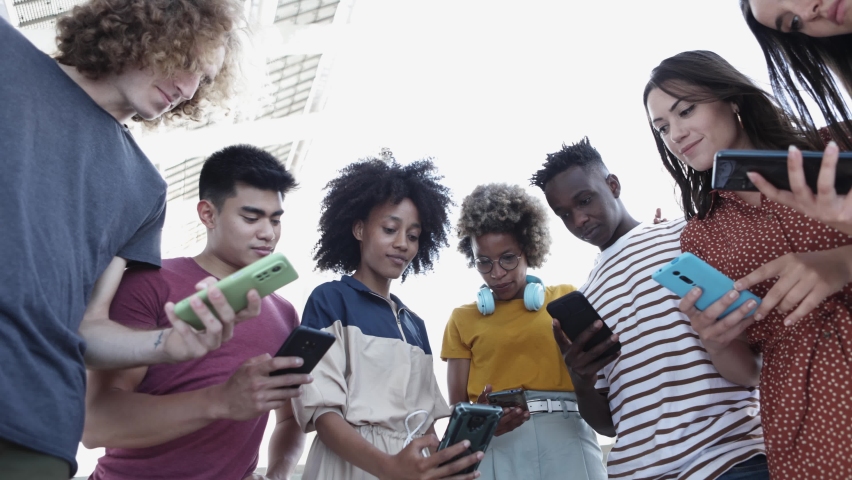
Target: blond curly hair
pixel 504 208
pixel 103 37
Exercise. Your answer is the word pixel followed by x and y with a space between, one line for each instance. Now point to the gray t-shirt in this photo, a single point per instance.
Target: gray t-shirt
pixel 75 191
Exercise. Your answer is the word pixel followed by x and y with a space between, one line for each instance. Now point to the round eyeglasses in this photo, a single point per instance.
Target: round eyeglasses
pixel 508 262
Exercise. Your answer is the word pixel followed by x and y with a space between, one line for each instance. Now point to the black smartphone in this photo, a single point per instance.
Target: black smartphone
pixel 576 314
pixel 730 168
pixel 473 422
pixel 307 343
pixel 508 398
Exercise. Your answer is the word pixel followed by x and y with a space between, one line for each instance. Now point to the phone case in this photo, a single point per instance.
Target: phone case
pixel 265 275
pixel 309 344
pixel 473 422
pixel 576 314
pixel 730 168
pixel 508 398
pixel 688 271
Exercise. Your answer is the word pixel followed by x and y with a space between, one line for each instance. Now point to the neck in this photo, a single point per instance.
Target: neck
pixel 376 283
pixel 103 93
pixel 626 224
pixel 213 264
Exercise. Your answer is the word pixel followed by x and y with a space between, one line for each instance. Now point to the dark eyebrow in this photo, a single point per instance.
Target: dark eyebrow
pixel 260 211
pixel 581 193
pixel 399 220
pixel 674 105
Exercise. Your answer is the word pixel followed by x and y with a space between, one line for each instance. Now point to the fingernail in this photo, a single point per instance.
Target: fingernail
pixel 310 378
pixel 733 294
pixel 738 285
pixel 479 456
pixel 695 292
pixel 832 143
pixel 299 361
pixel 214 293
pixel 758 316
pixel 195 302
pixel 466 443
pixel 597 324
pixel 792 148
pixel 751 304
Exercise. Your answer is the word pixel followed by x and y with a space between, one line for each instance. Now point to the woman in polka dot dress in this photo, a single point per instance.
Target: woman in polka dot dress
pixel 697 104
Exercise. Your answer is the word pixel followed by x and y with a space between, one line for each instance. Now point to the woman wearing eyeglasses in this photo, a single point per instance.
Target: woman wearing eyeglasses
pixel 505 341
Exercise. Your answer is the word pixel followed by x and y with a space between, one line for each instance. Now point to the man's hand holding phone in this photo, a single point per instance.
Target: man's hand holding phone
pixel 182 342
pixel 513 417
pixel 584 366
pixel 251 391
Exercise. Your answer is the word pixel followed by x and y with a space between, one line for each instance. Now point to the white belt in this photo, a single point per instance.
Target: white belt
pixel 550 406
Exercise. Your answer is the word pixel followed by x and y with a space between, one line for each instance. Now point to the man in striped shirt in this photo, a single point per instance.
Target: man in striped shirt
pixel 673 414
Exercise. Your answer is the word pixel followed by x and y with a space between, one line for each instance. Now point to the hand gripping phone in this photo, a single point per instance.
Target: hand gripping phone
pixel 265 275
pixel 473 422
pixel 575 315
pixel 307 343
pixel 730 168
pixel 687 271
pixel 508 398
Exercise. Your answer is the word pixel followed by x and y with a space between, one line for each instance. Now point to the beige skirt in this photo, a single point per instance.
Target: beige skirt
pixel 323 464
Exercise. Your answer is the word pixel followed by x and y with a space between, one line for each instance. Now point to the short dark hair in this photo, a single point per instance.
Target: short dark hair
pixel 371 182
pixel 581 154
pixel 245 164
pixel 810 61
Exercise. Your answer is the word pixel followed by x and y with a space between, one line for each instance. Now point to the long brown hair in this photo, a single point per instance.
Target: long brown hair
pixel 811 62
pixel 700 76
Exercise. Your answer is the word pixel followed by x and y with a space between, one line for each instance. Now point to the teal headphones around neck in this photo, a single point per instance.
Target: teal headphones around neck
pixel 533 296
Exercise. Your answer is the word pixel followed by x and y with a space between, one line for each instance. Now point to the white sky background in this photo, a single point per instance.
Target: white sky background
pixel 487 89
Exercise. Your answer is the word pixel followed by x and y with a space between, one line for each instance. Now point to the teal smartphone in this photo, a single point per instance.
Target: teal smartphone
pixel 265 275
pixel 687 271
pixel 474 422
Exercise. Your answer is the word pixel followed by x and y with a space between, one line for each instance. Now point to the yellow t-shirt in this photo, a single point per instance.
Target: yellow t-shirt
pixel 511 348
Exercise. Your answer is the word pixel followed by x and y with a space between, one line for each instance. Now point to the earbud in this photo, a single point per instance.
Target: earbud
pixel 533 297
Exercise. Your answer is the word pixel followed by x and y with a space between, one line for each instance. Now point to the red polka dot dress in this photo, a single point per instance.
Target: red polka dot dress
pixel 806 381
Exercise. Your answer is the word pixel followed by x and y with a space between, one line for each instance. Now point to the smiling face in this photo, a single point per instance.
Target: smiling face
pixel 389 240
pixel 693 132
pixel 587 203
pixel 246 228
pixel 149 93
pixel 506 284
pixel 815 18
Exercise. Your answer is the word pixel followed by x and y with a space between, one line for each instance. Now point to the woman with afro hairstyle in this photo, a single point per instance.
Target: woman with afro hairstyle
pixel 505 341
pixel 374 398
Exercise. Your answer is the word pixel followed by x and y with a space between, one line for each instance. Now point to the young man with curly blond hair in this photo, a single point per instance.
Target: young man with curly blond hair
pixel 505 341
pixel 81 201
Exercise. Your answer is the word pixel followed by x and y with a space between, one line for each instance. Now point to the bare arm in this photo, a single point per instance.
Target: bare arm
pixel 119 417
pixel 583 368
pixel 338 435
pixel 458 371
pixel 286 444
pixel 725 339
pixel 111 345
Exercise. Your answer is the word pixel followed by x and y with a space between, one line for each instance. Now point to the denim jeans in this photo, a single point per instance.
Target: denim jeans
pixel 755 468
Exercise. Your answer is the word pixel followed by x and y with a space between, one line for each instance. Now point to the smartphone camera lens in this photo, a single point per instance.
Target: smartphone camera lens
pixel 276 268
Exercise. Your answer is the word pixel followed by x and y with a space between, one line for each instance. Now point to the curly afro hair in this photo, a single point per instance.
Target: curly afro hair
pixel 103 37
pixel 503 208
pixel 362 186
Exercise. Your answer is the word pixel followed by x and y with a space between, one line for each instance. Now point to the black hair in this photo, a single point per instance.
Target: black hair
pixel 363 185
pixel 700 76
pixel 581 154
pixel 810 61
pixel 245 164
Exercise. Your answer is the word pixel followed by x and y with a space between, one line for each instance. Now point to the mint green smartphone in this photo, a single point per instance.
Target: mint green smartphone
pixel 265 275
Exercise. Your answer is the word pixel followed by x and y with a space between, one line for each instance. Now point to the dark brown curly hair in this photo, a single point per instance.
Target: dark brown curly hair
pixel 103 37
pixel 362 186
pixel 503 208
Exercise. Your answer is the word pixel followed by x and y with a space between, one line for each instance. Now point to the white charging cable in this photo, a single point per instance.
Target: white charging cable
pixel 408 430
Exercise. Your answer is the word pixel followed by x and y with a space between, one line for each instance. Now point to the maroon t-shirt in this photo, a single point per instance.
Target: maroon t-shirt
pixel 225 449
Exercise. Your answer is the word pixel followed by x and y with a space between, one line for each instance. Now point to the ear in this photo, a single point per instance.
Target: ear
pixel 358 230
pixel 207 213
pixel 735 108
pixel 614 185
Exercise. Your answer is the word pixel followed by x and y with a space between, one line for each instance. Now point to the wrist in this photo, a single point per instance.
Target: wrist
pixel 213 403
